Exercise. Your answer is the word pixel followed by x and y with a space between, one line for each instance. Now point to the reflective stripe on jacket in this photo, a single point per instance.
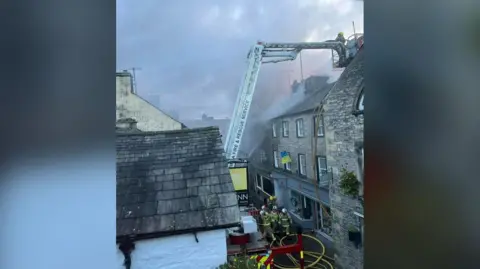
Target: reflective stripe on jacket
pixel 285 220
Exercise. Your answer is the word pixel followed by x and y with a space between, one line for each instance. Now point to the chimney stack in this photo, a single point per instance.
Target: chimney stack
pixel 127 124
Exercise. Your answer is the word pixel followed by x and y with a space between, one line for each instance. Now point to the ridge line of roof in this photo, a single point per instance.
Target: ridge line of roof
pixel 189 130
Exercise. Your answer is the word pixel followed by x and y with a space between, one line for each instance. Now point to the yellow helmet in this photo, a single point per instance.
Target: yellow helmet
pixel 341 33
pixel 271 198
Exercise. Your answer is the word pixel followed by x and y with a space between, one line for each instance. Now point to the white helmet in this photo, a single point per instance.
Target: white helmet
pixel 262 212
pixel 263 207
pixel 274 207
pixel 284 210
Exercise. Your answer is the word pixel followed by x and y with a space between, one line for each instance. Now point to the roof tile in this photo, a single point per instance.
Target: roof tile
pixel 173 180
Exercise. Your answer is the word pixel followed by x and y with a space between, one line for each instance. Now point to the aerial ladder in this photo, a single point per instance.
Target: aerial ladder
pixel 273 53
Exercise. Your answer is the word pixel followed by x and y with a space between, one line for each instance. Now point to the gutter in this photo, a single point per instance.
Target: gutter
pixel 137 237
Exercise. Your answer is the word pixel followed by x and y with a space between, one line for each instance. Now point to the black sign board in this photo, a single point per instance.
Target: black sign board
pixel 242 197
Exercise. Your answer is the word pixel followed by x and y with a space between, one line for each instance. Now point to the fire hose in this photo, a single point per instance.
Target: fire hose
pixel 318 256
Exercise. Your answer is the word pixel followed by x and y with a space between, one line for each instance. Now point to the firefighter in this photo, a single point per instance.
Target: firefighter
pixel 272 201
pixel 285 221
pixel 275 219
pixel 340 38
pixel 267 226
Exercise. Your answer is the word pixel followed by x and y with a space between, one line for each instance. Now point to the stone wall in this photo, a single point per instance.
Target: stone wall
pixel 299 145
pixel 130 105
pixel 342 132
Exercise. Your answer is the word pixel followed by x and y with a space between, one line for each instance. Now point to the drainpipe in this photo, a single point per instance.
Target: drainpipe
pixel 126 247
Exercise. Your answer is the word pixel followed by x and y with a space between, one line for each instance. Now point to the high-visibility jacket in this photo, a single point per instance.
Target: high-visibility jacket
pixel 275 218
pixel 285 219
pixel 266 219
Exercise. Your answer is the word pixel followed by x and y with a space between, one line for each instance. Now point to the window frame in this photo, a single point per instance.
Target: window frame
pixel 359 101
pixel 263 156
pixel 257 182
pixel 303 200
pixel 321 127
pixel 300 166
pixel 274 130
pixel 288 166
pixel 275 159
pixel 319 174
pixel 300 129
pixel 263 185
pixel 285 127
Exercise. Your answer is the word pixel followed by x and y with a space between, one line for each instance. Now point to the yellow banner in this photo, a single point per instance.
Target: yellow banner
pixel 239 178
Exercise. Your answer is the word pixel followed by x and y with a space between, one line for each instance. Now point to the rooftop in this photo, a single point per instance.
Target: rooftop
pixel 173 182
pixel 311 100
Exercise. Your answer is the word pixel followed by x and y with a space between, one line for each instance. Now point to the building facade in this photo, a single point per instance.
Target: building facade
pixel 301 185
pixel 343 119
pixel 130 105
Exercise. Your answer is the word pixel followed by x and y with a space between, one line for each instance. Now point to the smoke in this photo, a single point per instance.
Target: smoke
pixel 259 126
pixel 296 96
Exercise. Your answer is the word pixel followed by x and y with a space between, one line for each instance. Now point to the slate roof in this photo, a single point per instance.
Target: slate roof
pixel 310 102
pixel 173 182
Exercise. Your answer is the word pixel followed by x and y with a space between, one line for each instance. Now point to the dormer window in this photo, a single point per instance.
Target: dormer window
pixel 358 106
pixel 360 103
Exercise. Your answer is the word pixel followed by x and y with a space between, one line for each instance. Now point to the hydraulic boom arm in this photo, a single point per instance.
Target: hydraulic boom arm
pixel 273 53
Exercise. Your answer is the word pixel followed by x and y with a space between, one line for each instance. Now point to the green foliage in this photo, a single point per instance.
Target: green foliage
pixel 349 182
pixel 352 228
pixel 239 262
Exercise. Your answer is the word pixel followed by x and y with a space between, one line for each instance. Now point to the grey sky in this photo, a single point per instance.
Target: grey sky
pixel 193 53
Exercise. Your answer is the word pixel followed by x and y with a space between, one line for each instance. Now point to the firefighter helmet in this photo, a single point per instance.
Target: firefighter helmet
pixel 284 210
pixel 274 207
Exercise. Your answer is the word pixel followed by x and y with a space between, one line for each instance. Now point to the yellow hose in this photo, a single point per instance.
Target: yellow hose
pixel 318 255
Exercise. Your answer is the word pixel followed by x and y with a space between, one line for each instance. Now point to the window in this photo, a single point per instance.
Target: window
pixel 302 164
pixel 268 186
pixel 360 102
pixel 263 156
pixel 259 181
pixel 285 129
pixel 300 131
pixel 324 219
pixel 360 223
pixel 322 169
pixel 302 206
pixel 288 166
pixel 265 184
pixel 275 158
pixel 274 130
pixel 358 106
pixel 318 121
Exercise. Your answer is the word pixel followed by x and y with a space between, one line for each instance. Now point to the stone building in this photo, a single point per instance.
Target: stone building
pixel 343 119
pixel 130 105
pixel 175 198
pixel 302 185
pixel 207 121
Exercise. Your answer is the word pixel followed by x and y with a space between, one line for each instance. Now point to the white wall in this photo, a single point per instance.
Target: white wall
pixel 179 252
pixel 129 105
